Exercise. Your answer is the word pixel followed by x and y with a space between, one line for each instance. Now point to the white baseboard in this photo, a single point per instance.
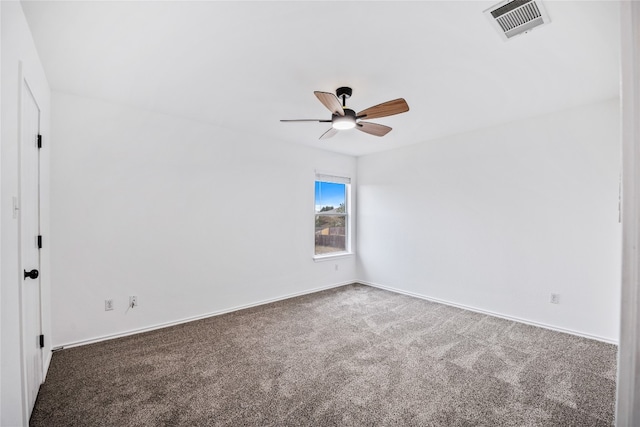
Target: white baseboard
pixel 47 363
pixel 491 313
pixel 313 290
pixel 193 318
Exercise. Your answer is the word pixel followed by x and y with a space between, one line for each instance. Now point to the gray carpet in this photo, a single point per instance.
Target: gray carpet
pixel 350 356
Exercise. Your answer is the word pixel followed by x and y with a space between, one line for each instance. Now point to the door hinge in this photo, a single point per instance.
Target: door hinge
pixel 39 242
pixel 39 141
pixel 41 341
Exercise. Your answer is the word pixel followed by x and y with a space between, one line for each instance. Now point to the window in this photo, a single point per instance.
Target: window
pixel 332 215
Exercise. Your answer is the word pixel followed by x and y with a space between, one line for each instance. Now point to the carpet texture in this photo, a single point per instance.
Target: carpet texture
pixel 349 356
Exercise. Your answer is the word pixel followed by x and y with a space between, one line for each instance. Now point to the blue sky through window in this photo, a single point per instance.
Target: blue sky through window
pixel 329 194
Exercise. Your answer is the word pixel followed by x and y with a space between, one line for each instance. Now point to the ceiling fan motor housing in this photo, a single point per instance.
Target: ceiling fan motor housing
pixel 347 121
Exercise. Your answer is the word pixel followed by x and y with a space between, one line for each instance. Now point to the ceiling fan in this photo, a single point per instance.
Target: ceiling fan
pixel 345 118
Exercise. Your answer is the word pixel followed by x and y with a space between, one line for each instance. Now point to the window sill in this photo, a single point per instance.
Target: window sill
pixel 329 257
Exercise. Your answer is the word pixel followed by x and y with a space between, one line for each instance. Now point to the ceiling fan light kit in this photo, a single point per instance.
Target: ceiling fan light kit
pixel 348 121
pixel 343 118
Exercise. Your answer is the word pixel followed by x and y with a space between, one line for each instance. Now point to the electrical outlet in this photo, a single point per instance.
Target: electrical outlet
pixel 336 267
pixel 108 305
pixel 555 299
pixel 133 301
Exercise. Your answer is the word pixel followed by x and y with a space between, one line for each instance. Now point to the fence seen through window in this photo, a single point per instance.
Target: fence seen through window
pixel 331 218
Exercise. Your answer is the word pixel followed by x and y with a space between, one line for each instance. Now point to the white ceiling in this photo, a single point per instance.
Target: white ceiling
pixel 245 65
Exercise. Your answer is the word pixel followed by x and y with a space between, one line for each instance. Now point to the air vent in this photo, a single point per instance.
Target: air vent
pixel 514 17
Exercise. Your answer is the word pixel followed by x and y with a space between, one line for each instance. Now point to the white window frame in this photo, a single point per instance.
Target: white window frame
pixel 338 179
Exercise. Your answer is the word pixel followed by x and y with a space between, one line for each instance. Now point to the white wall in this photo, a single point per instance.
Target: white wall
pixel 498 219
pixel 191 218
pixel 195 219
pixel 17 45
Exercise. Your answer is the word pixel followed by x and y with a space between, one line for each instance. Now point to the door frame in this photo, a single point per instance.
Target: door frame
pixel 628 384
pixel 22 239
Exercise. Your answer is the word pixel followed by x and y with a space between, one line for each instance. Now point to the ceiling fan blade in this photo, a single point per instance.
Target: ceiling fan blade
pixel 307 120
pixel 330 101
pixel 385 109
pixel 373 128
pixel 328 134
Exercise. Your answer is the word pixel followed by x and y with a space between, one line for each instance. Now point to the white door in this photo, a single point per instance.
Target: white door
pixel 29 247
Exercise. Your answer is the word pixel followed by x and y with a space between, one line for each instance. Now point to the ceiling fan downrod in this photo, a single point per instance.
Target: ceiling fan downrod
pixel 344 93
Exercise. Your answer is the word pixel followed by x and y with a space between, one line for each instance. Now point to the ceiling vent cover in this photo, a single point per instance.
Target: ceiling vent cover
pixel 515 17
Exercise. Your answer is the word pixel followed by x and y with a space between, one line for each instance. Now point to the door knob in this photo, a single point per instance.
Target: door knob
pixel 33 274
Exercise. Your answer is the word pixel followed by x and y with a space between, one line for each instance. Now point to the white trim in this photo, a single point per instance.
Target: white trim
pixel 4 195
pixel 490 313
pixel 23 368
pixel 335 179
pixel 628 384
pixel 199 317
pixel 329 257
pixel 311 291
pixel 338 178
pixel 47 363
